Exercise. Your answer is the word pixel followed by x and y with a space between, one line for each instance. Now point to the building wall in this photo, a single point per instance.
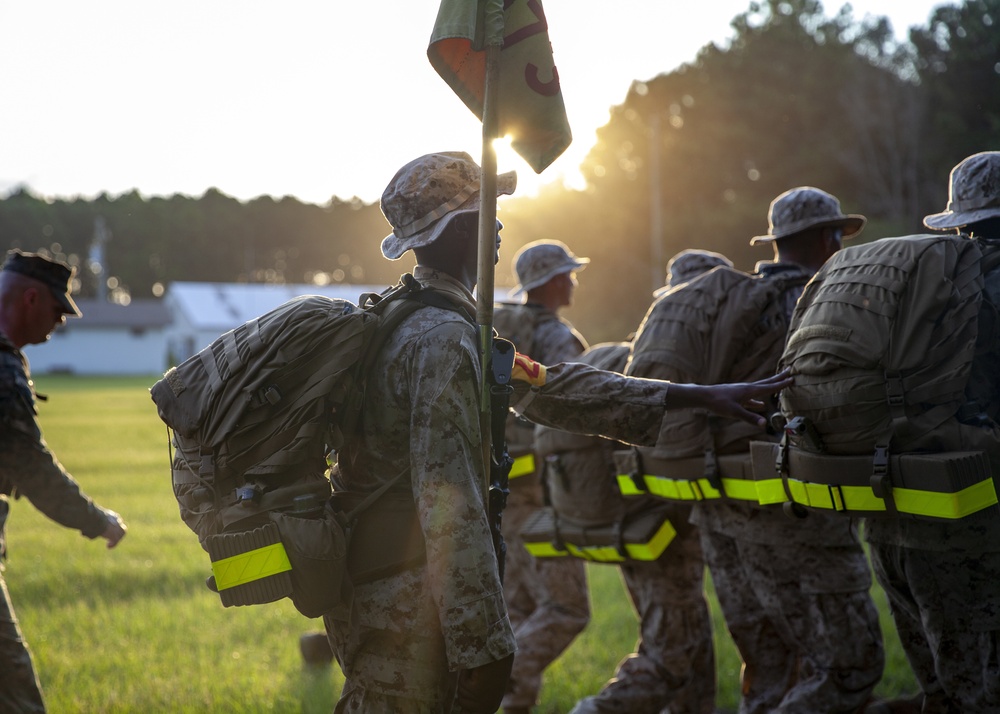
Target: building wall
pixel 101 351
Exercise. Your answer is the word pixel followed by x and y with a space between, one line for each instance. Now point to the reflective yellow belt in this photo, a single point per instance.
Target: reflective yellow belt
pixel 650 550
pixel 686 481
pixel 941 486
pixel 252 565
pixel 523 465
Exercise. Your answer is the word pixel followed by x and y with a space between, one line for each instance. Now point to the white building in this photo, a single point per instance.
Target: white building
pixel 109 339
pixel 147 337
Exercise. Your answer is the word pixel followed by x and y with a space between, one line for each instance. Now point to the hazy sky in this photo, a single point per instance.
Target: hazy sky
pixel 310 98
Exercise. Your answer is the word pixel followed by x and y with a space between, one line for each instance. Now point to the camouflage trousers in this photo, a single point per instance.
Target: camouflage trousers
pixel 674 662
pixel 548 605
pixel 803 622
pixel 355 698
pixel 946 606
pixel 20 692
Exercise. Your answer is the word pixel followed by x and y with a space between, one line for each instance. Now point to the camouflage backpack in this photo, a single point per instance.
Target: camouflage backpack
pixel 881 346
pixel 254 417
pixel 724 326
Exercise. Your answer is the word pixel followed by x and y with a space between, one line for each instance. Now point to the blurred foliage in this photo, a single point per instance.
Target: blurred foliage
pixel 691 158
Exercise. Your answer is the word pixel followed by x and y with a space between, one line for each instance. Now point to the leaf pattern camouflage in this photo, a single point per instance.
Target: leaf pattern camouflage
pixel 405 636
pixel 794 592
pixel 940 578
pixel 28 468
pixel 546 597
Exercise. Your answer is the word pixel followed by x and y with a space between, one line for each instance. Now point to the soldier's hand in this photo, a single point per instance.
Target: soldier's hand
pixel 115 529
pixel 737 401
pixel 481 690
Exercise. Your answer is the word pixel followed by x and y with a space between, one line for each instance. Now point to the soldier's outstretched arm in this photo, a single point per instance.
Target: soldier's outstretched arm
pixel 738 401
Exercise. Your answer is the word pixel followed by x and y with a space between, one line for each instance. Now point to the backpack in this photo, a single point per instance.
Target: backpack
pixel 255 416
pixel 586 516
pixel 881 346
pixel 723 326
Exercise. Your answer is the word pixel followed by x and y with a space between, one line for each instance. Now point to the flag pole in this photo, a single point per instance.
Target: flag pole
pixel 485 273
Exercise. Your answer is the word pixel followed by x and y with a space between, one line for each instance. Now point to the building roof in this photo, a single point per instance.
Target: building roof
pixel 137 314
pixel 222 306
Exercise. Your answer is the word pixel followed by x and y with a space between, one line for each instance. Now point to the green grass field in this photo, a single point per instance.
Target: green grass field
pixel 135 629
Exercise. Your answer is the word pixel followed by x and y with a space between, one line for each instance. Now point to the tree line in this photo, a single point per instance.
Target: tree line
pixel 691 158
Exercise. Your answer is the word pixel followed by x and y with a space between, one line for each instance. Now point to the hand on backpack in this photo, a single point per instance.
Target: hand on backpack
pixel 481 690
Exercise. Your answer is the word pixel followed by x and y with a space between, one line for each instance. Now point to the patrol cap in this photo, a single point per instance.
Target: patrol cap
pixel 805 207
pixel 974 193
pixel 538 262
pixel 427 193
pixel 54 274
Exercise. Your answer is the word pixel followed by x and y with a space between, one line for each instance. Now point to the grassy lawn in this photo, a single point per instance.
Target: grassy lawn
pixel 136 630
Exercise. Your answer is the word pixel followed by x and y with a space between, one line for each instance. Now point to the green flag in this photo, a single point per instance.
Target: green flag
pixel 531 110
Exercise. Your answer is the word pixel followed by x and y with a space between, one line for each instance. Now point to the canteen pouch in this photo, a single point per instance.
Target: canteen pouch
pixel 317 551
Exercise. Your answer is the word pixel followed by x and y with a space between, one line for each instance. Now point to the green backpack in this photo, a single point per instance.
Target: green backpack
pixel 255 416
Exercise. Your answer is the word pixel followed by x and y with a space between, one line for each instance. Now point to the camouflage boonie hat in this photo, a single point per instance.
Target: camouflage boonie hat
pixel 806 207
pixel 537 263
pixel 974 193
pixel 691 263
pixel 55 275
pixel 426 194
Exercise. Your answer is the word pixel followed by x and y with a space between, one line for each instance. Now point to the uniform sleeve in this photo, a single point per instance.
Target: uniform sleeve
pixel 449 482
pixel 26 464
pixel 581 399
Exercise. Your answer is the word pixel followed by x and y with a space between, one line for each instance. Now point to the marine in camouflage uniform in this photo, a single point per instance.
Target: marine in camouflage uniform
pixel 673 665
pixel 941 577
pixel 546 598
pixel 34 299
pixel 435 636
pixel 794 593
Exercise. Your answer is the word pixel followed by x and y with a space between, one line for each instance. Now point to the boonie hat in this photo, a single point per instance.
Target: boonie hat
pixel 974 193
pixel 427 193
pixel 806 207
pixel 691 263
pixel 54 274
pixel 538 262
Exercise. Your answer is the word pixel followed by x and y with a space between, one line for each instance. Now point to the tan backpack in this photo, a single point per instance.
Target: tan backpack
pixel 724 326
pixel 881 347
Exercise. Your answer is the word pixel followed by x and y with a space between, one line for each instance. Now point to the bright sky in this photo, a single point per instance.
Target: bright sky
pixel 310 98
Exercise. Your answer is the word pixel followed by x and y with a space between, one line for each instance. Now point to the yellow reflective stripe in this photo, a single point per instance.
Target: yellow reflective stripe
pixel 627 486
pixel 653 549
pixel 915 502
pixel 544 549
pixel 771 490
pixel 253 565
pixel 946 505
pixel 650 550
pixel 742 489
pixel 523 465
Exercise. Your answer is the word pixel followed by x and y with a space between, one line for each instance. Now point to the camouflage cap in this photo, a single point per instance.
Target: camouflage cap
pixel 427 193
pixel 974 193
pixel 537 263
pixel 806 207
pixel 691 263
pixel 55 275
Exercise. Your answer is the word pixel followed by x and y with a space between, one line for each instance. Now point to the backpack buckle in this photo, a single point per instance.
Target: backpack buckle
pixel 880 482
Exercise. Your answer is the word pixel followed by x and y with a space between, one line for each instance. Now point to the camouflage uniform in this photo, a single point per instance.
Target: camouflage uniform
pixel 795 597
pixel 405 636
pixel 674 661
pixel 546 598
pixel 941 578
pixel 794 593
pixel 28 468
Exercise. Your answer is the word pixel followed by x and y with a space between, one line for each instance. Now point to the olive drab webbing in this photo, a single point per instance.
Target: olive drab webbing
pixel 255 417
pixel 724 326
pixel 881 346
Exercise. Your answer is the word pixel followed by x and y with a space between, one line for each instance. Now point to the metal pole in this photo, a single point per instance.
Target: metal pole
pixel 657 266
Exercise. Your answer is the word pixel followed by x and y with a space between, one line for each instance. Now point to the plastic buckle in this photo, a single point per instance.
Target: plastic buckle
pixel 880 483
